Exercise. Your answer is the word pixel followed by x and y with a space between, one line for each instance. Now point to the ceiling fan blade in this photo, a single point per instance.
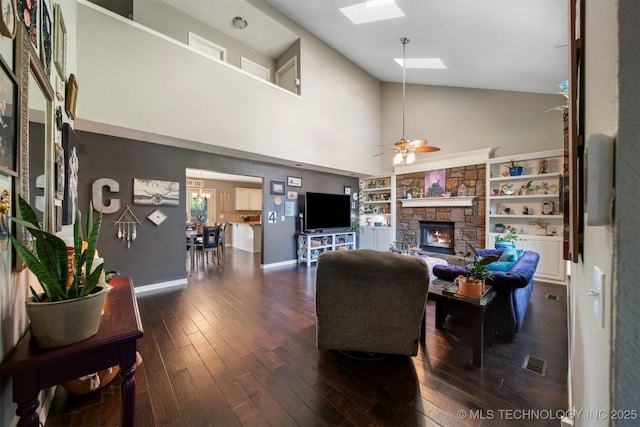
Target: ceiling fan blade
pixel 426 149
pixel 418 143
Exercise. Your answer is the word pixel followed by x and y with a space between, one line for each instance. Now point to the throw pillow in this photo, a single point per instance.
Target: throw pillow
pixel 509 255
pixel 501 265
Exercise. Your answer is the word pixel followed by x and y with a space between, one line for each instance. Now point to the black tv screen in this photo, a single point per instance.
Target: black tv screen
pixel 327 211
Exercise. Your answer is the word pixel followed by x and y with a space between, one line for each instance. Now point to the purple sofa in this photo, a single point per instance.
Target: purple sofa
pixel 514 289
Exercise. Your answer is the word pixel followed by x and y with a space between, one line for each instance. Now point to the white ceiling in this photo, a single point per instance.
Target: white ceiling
pixel 518 45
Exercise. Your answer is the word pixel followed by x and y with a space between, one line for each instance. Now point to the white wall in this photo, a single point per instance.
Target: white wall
pixel 127 77
pixel 460 119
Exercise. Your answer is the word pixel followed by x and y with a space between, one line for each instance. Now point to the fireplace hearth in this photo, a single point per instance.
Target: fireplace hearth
pixel 437 236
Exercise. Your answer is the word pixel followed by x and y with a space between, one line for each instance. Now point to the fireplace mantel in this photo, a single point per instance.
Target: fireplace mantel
pixel 435 202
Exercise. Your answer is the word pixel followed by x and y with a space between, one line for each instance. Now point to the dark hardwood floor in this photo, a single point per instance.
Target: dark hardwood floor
pixel 236 347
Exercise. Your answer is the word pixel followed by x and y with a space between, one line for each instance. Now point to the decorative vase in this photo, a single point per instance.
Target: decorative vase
pixel 505 245
pixel 500 229
pixel 470 287
pixel 59 323
pixel 515 171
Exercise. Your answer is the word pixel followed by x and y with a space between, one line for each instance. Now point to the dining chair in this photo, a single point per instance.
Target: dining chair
pixel 209 243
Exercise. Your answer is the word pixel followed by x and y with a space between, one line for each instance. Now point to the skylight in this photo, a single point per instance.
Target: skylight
pixel 372 11
pixel 425 63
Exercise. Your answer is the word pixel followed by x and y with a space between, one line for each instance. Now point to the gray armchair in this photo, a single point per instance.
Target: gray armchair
pixel 370 301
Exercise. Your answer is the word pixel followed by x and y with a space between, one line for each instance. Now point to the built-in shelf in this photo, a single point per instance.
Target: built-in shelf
pixel 436 202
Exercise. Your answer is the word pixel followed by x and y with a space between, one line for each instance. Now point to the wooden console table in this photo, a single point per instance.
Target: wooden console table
pixel 34 369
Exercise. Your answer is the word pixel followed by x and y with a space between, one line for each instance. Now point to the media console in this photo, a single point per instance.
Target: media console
pixel 311 245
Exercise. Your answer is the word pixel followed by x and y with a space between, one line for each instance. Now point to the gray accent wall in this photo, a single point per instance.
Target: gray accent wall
pixel 159 253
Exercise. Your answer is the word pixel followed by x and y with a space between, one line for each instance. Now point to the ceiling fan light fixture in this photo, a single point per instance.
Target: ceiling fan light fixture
pixel 405 149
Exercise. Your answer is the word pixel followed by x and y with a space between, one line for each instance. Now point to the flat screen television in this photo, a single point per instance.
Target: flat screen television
pixel 324 212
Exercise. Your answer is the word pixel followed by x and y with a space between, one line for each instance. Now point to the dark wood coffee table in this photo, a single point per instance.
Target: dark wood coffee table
pixel 481 311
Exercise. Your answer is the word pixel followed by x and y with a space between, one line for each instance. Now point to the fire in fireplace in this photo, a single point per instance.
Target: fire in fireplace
pixel 437 236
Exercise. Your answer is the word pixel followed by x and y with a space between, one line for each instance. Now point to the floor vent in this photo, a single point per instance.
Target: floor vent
pixel 535 365
pixel 551 296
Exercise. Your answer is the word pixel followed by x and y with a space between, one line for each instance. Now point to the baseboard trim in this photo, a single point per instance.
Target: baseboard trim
pixel 278 264
pixel 160 285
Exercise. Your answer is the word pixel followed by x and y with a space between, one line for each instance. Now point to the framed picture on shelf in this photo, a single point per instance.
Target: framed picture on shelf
pixel 8 21
pixel 294 181
pixel 8 120
pixel 60 42
pixel 277 187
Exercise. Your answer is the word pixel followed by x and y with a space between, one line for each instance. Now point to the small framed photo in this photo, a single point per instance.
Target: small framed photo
pixel 292 195
pixel 294 181
pixel 347 190
pixel 46 39
pixel 60 42
pixel 277 187
pixel 8 21
pixel 8 120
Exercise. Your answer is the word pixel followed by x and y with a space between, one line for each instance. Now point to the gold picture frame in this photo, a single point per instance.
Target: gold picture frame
pixel 59 42
pixel 72 96
pixel 9 21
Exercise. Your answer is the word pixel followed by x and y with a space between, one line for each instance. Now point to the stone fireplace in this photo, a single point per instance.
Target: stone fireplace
pixel 468 221
pixel 437 236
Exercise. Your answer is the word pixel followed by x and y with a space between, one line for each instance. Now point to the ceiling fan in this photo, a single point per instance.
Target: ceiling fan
pixel 405 149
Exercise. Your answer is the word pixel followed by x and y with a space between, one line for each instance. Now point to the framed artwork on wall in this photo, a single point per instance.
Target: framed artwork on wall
pixel 46 32
pixel 72 96
pixel 294 181
pixel 8 21
pixel 60 173
pixel 8 120
pixel 277 187
pixel 27 12
pixel 155 192
pixel 59 42
pixel 71 166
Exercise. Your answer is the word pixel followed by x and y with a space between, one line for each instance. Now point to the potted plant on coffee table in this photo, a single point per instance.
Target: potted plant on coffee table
pixel 70 307
pixel 477 272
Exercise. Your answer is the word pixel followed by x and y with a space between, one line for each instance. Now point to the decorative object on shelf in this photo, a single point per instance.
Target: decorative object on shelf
pixel 155 192
pixel 526 188
pixel 69 309
pixel 157 217
pixel 499 227
pixel 405 149
pixel 127 226
pixel 8 21
pixel 462 190
pixel 415 191
pixel 508 189
pixel 543 166
pixel 294 181
pixel 548 208
pixel 541 224
pixel 515 169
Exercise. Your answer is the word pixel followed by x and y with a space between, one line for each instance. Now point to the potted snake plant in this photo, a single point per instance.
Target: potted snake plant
pixel 70 307
pixel 477 272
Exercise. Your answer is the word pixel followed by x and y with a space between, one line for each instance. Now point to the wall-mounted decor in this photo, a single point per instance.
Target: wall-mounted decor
pixel 27 12
pixel 294 181
pixel 289 209
pixel 8 120
pixel 70 199
pixel 127 226
pixel 72 96
pixel 46 48
pixel 154 192
pixel 157 217
pixel 5 208
pixel 347 190
pixel 60 42
pixel 434 182
pixel 8 21
pixel 277 187
pixel 292 195
pixel 60 172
